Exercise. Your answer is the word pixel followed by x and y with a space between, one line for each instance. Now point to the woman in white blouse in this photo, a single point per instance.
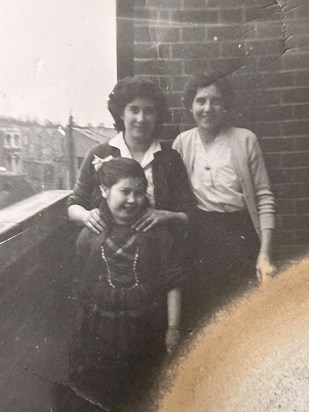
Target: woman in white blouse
pixel 231 187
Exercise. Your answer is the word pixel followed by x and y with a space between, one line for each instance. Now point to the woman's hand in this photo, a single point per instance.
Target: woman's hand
pixel 172 339
pixel 152 218
pixel 264 268
pixel 92 219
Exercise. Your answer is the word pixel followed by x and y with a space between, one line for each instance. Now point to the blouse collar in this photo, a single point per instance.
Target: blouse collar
pixel 119 142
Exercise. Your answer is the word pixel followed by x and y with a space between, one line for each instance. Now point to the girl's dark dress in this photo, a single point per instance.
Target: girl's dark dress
pixel 122 310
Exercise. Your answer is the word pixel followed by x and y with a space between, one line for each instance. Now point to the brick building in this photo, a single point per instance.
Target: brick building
pixel 35 151
pixel 262 46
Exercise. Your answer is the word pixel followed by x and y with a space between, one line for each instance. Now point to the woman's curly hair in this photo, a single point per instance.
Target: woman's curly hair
pixel 130 88
pixel 201 80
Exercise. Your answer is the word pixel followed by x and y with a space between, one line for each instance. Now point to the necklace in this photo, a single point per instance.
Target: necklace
pixel 109 273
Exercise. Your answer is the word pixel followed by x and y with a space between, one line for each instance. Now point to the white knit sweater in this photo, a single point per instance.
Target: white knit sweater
pixel 248 162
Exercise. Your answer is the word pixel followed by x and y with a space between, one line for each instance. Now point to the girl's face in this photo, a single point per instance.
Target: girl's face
pixel 139 118
pixel 125 198
pixel 207 108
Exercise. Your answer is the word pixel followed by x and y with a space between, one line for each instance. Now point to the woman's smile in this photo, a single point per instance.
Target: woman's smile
pixel 207 108
pixel 140 127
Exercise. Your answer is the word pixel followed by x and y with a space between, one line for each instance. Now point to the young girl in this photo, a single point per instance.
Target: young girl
pixel 127 292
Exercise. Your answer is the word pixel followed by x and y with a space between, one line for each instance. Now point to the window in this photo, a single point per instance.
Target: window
pixel 8 162
pixel 7 141
pixel 16 140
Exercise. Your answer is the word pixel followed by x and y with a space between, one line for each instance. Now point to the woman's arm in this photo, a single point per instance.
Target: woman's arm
pixel 266 212
pixel 80 207
pixel 172 336
pixel 89 218
pixel 153 217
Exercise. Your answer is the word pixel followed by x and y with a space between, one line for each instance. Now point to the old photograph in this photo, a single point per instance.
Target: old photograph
pixel 154 205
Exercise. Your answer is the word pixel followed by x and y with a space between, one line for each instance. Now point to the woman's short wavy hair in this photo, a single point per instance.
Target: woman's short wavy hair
pixel 201 80
pixel 130 88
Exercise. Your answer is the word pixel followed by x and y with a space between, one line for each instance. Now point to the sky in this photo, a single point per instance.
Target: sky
pixel 57 57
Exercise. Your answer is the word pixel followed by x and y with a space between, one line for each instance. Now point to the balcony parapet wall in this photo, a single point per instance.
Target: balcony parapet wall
pixel 36 268
pixel 25 225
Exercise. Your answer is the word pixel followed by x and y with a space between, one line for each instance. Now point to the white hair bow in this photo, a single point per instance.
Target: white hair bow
pixel 98 161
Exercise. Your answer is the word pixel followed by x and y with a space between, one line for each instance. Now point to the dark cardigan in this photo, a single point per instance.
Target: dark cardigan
pixel 171 184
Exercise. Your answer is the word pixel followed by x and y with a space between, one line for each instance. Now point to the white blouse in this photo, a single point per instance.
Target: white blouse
pixel 215 183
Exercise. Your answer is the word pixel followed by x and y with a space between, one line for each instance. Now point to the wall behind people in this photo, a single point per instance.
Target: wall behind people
pixel 262 48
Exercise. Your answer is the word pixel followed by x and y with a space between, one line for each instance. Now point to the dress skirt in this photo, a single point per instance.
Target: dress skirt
pixel 112 351
pixel 227 246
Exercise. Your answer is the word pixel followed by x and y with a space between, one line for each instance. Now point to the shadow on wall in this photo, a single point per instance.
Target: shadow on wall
pixel 253 356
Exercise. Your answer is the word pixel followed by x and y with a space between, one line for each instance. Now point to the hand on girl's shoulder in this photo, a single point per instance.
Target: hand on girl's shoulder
pixel 157 232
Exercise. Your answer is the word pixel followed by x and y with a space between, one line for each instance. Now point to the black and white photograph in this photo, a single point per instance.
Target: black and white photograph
pixel 154 205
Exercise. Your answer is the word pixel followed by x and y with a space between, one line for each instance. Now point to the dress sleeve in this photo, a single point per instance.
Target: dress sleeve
pixel 171 272
pixel 86 183
pixel 84 243
pixel 264 197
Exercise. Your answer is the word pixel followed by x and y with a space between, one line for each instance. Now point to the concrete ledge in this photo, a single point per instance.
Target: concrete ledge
pixel 37 246
pixel 14 215
pixel 27 223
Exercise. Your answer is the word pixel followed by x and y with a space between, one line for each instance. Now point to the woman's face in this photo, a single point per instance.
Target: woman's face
pixel 125 199
pixel 139 118
pixel 207 108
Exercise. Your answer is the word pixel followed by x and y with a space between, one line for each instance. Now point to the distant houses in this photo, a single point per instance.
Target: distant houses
pixel 87 137
pixel 35 158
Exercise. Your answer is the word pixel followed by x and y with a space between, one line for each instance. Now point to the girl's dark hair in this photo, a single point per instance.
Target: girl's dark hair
pixel 130 88
pixel 120 168
pixel 201 80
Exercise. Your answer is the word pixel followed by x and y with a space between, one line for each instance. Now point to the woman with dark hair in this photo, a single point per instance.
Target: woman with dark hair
pixel 236 207
pixel 138 108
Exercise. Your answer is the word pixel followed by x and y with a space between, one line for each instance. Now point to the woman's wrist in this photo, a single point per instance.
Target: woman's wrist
pixel 78 214
pixel 84 216
pixel 266 244
pixel 173 327
pixel 264 256
pixel 180 217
